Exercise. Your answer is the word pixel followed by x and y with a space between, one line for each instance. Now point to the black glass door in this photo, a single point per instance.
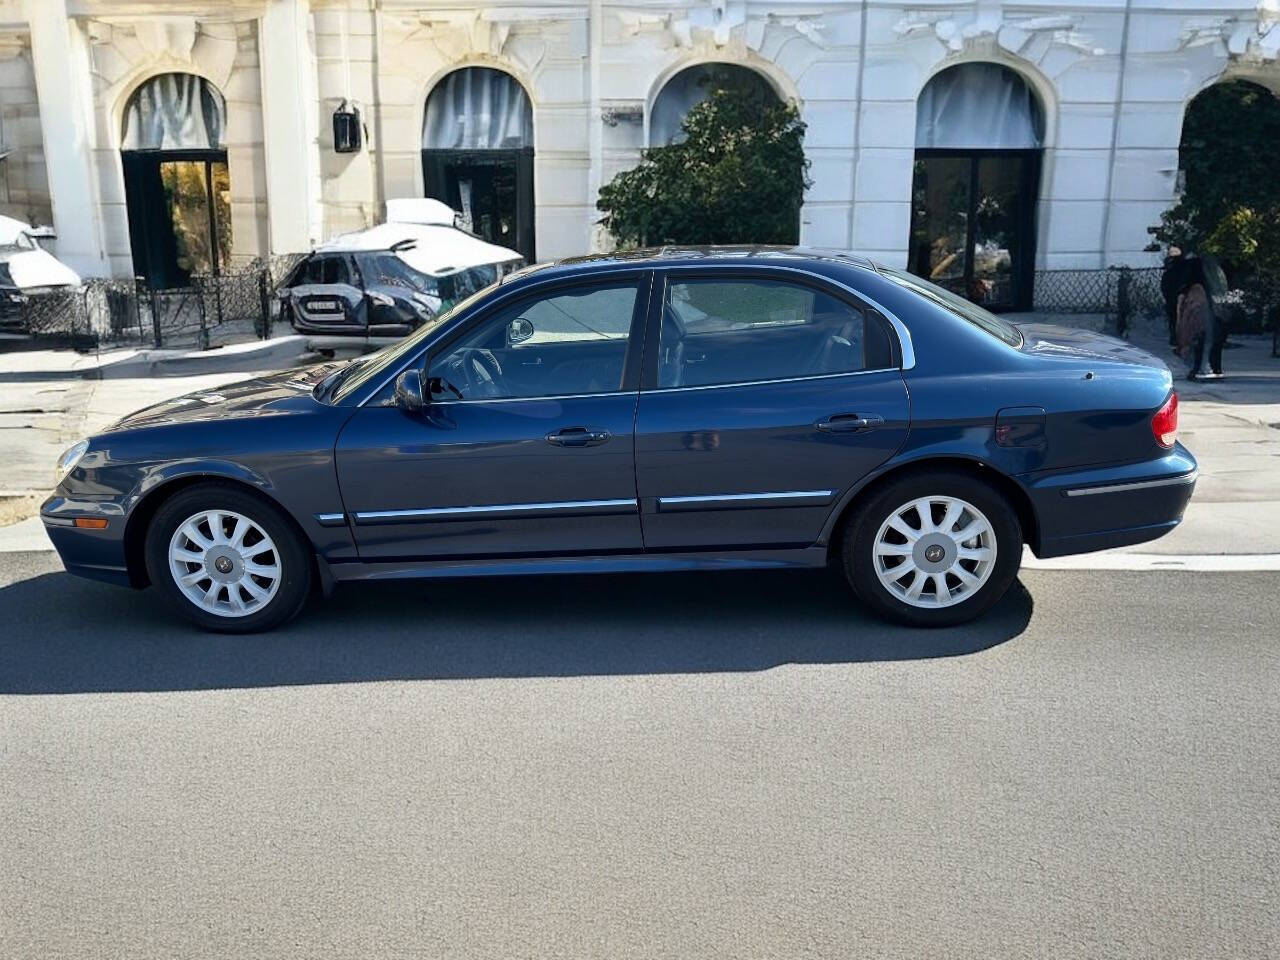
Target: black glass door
pixel 973 223
pixel 491 189
pixel 179 205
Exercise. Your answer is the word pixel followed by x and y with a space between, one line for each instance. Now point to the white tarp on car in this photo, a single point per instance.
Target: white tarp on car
pixel 29 265
pixel 435 248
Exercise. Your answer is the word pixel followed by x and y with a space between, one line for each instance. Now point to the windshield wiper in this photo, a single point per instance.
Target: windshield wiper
pixel 327 387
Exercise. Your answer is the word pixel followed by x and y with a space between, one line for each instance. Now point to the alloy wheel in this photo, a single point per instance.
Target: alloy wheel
pixel 224 563
pixel 935 551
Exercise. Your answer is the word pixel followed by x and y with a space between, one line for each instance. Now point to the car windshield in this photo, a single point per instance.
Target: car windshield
pixel 983 319
pixel 364 369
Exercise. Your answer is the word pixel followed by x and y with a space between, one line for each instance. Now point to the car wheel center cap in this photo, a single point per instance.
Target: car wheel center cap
pixel 934 553
pixel 223 566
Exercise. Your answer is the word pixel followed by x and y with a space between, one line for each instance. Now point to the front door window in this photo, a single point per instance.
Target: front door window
pixel 573 342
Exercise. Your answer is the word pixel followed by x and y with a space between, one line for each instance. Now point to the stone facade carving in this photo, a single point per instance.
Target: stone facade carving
pixel 1014 34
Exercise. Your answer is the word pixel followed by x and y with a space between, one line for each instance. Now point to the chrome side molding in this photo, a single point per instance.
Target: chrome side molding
pixel 797 498
pixel 1135 485
pixel 457 513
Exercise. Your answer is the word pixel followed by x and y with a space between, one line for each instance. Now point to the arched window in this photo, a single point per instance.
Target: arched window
pixel 690 87
pixel 979 134
pixel 177 186
pixel 477 154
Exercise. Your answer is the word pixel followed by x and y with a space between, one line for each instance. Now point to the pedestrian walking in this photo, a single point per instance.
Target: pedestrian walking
pixel 1197 335
pixel 1171 287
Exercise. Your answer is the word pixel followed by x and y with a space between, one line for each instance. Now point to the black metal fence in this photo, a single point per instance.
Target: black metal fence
pixel 209 311
pixel 240 306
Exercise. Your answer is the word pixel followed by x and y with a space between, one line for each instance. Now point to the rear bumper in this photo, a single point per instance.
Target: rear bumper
pixel 331 329
pixel 348 330
pixel 1079 511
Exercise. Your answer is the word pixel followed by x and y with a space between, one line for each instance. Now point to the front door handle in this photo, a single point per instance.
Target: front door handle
pixel 849 423
pixel 578 437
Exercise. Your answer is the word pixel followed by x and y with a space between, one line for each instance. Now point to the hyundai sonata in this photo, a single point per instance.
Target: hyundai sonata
pixel 669 410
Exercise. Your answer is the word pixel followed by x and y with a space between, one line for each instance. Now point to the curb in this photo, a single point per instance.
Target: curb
pixel 275 354
pixel 240 358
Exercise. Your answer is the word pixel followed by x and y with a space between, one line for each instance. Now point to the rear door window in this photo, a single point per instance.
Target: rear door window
pixel 740 330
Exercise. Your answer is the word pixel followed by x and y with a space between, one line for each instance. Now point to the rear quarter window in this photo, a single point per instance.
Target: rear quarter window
pixel 982 319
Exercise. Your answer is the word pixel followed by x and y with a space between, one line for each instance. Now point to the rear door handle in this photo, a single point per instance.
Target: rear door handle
pixel 849 423
pixel 578 437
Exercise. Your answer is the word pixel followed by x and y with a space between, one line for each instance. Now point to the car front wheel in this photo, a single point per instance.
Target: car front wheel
pixel 933 549
pixel 227 560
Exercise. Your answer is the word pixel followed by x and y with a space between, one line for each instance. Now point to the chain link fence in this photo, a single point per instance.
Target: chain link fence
pixel 209 311
pixel 1112 291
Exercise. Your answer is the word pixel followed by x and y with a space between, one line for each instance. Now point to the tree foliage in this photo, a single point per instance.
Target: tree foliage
pixel 1230 204
pixel 737 176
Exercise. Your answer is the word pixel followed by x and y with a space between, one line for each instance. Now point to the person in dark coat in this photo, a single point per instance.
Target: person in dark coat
pixel 1171 285
pixel 1196 326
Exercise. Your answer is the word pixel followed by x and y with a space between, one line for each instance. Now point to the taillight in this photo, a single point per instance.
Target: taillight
pixel 1164 424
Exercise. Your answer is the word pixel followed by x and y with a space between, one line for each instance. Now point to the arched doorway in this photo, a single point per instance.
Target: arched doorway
pixel 177 186
pixel 690 87
pixel 1228 195
pixel 477 154
pixel 979 135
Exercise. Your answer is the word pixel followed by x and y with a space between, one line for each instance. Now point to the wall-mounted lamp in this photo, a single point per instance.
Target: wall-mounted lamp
pixel 347 129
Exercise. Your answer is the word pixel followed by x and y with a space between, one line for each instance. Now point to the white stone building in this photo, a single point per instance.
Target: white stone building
pixel 1096 92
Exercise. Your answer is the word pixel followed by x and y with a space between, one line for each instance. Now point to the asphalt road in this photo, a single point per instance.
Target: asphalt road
pixel 651 766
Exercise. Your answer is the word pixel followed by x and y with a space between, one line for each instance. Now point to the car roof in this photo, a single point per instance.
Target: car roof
pixel 729 256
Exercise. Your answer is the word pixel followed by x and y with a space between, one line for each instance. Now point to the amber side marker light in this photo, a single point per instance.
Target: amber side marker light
pixel 91 523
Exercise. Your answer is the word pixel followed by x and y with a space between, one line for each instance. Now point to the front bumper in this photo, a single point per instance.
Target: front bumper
pixel 1097 508
pixel 95 554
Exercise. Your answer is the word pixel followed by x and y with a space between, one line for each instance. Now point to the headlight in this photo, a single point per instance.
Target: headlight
pixel 381 299
pixel 67 462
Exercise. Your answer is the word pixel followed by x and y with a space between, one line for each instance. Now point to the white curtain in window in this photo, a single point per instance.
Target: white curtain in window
pixel 978 106
pixel 477 108
pixel 690 87
pixel 175 111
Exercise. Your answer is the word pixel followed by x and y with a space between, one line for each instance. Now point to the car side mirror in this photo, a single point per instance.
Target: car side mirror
pixel 521 329
pixel 408 394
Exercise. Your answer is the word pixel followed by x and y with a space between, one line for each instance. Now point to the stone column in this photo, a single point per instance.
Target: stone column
pixel 289 107
pixel 60 59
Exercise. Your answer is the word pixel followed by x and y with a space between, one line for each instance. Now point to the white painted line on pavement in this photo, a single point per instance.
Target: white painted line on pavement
pixel 1115 560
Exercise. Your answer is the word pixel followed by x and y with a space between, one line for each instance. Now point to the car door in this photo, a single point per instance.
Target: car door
pixel 326 294
pixel 767 397
pixel 526 446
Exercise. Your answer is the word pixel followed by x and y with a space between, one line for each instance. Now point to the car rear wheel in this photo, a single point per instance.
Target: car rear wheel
pixel 933 549
pixel 227 560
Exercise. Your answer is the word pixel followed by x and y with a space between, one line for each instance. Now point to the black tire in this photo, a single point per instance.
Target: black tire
pixel 294 556
pixel 858 553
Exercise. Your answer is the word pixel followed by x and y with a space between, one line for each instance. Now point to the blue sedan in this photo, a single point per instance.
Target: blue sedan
pixel 681 409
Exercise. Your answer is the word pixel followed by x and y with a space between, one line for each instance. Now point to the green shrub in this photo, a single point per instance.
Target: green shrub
pixel 738 176
pixel 1230 204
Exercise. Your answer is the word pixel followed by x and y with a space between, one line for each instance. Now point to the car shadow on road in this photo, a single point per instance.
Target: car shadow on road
pixel 65 635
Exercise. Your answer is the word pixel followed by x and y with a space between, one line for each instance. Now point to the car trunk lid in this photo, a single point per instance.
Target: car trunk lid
pixel 1068 343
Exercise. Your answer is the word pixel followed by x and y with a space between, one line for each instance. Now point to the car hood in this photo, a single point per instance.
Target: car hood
pixel 1068 343
pixel 280 394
